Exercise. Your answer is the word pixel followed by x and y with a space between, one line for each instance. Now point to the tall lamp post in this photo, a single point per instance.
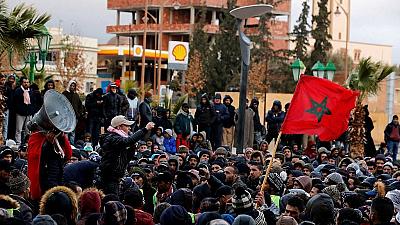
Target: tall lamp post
pixel 43 41
pixel 347 14
pixel 241 14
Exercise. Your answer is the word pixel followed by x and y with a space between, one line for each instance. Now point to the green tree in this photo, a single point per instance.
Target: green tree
pixel 366 80
pixel 199 39
pixel 301 32
pixel 338 59
pixel 18 26
pixel 320 33
pixel 223 67
pixel 275 73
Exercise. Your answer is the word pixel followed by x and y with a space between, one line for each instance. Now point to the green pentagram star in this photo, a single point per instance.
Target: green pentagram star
pixel 319 109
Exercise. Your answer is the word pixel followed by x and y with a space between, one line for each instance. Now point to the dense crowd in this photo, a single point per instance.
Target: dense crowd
pixel 150 167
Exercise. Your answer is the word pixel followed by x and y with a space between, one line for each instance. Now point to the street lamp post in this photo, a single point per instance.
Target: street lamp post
pixel 43 42
pixel 318 70
pixel 298 68
pixel 347 14
pixel 241 14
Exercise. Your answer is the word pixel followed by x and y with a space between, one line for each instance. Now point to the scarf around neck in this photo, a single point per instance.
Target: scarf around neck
pixel 119 132
pixel 27 99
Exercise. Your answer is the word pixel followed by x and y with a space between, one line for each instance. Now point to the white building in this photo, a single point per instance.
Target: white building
pixel 86 47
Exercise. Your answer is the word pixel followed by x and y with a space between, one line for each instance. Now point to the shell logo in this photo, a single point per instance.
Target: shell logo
pixel 179 52
pixel 138 51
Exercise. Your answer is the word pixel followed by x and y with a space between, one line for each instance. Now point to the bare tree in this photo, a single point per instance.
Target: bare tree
pixel 70 62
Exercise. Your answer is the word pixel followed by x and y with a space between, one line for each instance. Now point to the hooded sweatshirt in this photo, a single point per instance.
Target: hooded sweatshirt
pixel 74 99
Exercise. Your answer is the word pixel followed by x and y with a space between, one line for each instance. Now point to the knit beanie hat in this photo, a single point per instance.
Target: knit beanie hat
pixel 333 192
pixel 43 220
pixel 276 181
pixel 174 215
pixel 18 182
pixel 286 220
pixel 305 182
pixel 244 219
pixel 242 199
pixel 334 177
pixel 114 213
pixel 89 202
pixel 206 217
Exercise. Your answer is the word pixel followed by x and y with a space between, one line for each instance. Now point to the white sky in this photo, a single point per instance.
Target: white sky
pixel 371 20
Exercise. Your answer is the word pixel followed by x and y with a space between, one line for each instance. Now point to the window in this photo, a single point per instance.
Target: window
pixel 340 36
pixel 88 87
pixel 341 1
pixel 357 54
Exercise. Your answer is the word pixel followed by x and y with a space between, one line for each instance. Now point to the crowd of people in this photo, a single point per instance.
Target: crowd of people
pixel 146 168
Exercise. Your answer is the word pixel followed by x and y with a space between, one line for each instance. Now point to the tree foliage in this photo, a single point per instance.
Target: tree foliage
pixel 223 65
pixel 366 79
pixel 320 33
pixel 301 31
pixel 194 79
pixel 18 26
pixel 338 59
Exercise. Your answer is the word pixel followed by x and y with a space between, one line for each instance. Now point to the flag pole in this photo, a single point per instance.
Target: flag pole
pixel 264 184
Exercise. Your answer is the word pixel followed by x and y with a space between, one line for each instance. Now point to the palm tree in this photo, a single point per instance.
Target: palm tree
pixel 16 28
pixel 366 80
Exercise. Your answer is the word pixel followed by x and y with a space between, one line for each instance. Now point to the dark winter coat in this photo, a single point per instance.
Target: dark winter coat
pixel 275 119
pixel 183 124
pixel 116 154
pixel 388 131
pixel 76 102
pixel 25 211
pixel 94 109
pixel 256 118
pixel 221 112
pixel 205 114
pixel 20 107
pixel 145 113
pixel 112 105
pixel 81 172
pixel 230 121
pixel 51 167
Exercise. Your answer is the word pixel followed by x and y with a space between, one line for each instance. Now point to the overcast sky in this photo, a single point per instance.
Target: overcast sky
pixel 370 22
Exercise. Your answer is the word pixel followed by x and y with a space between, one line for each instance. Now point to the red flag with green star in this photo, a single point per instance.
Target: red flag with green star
pixel 319 107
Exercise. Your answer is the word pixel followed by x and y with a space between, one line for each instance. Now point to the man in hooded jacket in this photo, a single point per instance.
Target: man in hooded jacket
pixel 73 98
pixel 94 104
pixel 205 115
pixel 274 119
pixel 183 126
pixel 229 123
pixel 113 104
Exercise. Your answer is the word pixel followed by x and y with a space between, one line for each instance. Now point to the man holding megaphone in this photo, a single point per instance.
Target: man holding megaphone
pixel 117 150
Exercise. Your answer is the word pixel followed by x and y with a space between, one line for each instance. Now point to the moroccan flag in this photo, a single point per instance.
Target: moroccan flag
pixel 320 107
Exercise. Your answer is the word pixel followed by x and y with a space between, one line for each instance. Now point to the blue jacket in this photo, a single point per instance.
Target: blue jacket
pixel 222 113
pixel 170 145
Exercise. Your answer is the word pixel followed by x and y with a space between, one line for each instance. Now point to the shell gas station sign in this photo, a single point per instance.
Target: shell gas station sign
pixel 178 55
